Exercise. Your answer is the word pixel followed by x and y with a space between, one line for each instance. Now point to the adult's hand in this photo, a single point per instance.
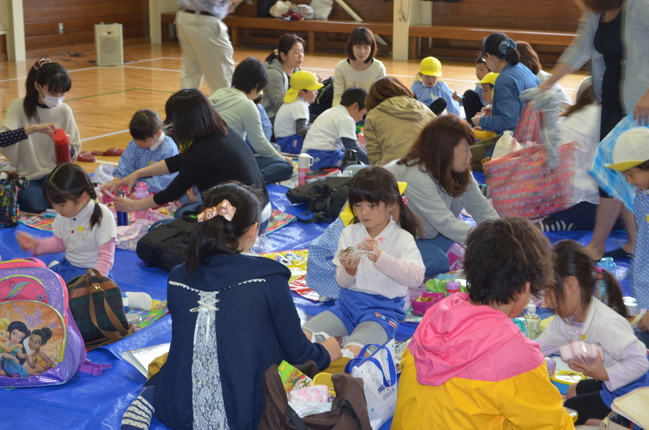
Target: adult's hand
pixel 125 205
pixel 129 181
pixel 333 348
pixel 48 128
pixel 641 111
pixel 545 86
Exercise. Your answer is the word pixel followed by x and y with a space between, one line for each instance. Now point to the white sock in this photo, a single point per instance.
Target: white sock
pixel 141 301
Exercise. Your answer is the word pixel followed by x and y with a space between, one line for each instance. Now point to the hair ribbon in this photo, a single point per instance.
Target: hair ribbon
pixel 224 209
pixel 505 45
pixel 39 63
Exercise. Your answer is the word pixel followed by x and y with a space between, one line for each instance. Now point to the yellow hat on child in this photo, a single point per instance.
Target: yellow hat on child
pixel 489 78
pixel 430 66
pixel 631 149
pixel 301 80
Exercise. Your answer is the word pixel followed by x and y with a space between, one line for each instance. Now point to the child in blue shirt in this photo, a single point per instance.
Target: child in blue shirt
pixel 631 158
pixel 149 145
pixel 429 89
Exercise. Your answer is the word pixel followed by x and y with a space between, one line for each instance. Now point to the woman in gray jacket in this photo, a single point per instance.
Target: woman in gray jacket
pixel 281 64
pixel 614 35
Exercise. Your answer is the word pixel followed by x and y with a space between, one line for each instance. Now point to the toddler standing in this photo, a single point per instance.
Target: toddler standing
pixel 631 157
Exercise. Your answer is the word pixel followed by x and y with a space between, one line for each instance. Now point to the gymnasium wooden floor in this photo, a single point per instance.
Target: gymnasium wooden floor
pixel 103 99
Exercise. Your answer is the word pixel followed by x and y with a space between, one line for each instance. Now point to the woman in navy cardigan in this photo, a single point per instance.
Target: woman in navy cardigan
pixel 232 318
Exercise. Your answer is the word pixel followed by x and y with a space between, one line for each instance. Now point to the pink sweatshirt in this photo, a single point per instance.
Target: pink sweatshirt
pixel 105 260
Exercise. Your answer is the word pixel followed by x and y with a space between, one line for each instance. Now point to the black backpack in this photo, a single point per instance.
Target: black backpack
pixel 324 100
pixel 325 197
pixel 165 245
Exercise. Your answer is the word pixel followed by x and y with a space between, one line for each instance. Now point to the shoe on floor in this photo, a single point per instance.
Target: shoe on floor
pixel 110 152
pixel 618 254
pixel 550 223
pixel 87 157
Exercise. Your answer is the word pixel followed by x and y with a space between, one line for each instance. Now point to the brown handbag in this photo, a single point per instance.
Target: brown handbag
pixel 97 307
pixel 348 411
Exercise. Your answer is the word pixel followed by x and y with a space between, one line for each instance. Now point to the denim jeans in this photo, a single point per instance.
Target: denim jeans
pixel 31 199
pixel 433 252
pixel 274 170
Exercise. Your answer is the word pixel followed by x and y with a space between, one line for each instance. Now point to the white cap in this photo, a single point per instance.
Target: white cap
pixel 631 149
pixel 531 308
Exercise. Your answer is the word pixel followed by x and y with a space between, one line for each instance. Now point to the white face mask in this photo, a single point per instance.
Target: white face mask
pixel 51 101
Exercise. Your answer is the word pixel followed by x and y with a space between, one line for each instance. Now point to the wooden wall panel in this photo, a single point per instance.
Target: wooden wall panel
pixel 559 15
pixel 79 17
pixel 369 10
pixel 3 47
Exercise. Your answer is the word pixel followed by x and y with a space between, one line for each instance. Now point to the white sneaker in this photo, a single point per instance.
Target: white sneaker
pixel 141 301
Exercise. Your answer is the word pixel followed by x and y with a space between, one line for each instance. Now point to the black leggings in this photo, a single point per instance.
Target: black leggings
pixel 588 402
pixel 472 104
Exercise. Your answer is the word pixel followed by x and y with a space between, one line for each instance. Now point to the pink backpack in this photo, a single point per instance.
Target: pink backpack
pixel 40 343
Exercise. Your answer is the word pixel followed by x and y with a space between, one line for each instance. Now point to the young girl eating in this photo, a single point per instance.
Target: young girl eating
pixel 41 110
pixel 360 68
pixel 83 227
pixel 440 184
pixel 582 317
pixel 377 263
pixel 233 317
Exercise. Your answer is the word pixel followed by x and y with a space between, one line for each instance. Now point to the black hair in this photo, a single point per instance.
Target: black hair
pixel 250 75
pixel 573 260
pixel 67 182
pixel 193 117
pixel 362 36
pixel 502 256
pixel 284 45
pixel 45 333
pixel 218 235
pixel 376 184
pixel 18 325
pixel 354 95
pixel 480 60
pixel 492 45
pixel 44 73
pixel 145 124
pixel 642 166
pixel 258 99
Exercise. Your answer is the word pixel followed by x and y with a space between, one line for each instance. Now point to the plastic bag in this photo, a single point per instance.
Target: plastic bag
pixel 103 174
pixel 304 409
pixel 322 8
pixel 128 235
pixel 280 8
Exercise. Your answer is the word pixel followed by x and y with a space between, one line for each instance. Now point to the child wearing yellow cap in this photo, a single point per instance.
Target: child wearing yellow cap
pixel 430 90
pixel 292 120
pixel 631 158
pixel 488 83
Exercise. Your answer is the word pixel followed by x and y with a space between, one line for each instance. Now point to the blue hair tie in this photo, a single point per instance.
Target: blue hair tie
pixel 505 45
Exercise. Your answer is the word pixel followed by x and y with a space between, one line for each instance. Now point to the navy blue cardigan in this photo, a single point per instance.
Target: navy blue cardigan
pixel 257 325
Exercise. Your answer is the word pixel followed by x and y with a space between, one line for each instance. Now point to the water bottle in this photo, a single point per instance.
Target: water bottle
pixel 608 264
pixel 61 146
pixel 304 162
pixel 122 217
pixel 532 322
pixel 141 192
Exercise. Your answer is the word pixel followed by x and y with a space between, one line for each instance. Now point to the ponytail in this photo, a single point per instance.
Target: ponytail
pixel 613 297
pixel 501 46
pixel 408 220
pixel 284 45
pixel 68 182
pixel 97 214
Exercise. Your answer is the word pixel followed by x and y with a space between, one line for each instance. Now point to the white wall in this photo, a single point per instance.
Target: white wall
pixel 157 7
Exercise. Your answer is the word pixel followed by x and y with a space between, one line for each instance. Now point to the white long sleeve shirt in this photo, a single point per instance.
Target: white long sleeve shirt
pixel 398 268
pixel 625 357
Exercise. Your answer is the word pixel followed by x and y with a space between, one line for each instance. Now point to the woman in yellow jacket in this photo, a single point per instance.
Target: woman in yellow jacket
pixel 468 366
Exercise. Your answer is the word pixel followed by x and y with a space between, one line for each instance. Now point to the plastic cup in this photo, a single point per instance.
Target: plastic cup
pixel 452 287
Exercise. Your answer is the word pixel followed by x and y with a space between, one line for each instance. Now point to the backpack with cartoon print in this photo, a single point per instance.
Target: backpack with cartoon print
pixel 40 343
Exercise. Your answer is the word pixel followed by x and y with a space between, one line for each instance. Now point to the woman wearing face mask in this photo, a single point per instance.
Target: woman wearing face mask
pixel 25 133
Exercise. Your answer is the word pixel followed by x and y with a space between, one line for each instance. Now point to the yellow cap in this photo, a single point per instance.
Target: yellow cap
pixel 430 66
pixel 301 80
pixel 489 78
pixel 631 149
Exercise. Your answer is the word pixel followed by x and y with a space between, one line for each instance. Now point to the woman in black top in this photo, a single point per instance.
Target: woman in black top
pixel 210 154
